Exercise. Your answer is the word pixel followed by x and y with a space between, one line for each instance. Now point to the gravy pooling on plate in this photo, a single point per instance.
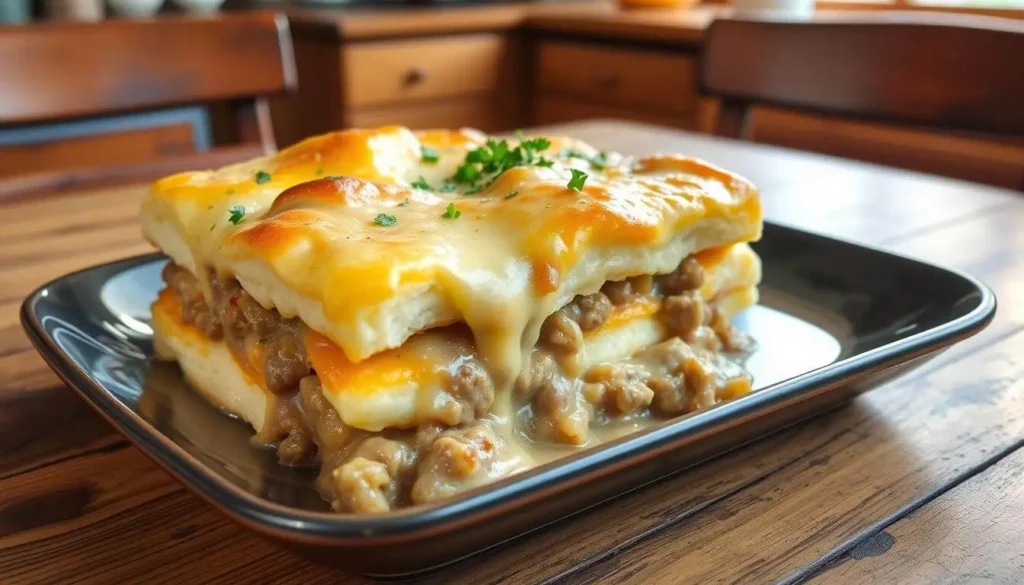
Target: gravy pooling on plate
pixel 423 313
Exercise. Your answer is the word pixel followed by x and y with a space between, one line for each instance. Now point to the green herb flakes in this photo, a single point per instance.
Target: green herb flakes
pixel 429 155
pixel 451 212
pixel 467 173
pixel 385 220
pixel 536 144
pixel 262 177
pixel 237 213
pixel 577 180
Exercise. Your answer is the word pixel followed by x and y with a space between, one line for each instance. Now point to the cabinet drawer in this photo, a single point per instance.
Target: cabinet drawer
pixel 386 72
pixel 628 77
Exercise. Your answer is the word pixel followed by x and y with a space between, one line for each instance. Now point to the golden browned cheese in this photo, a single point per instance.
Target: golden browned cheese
pixel 365 241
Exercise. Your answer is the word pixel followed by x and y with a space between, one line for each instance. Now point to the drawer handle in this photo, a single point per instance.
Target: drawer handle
pixel 607 80
pixel 415 76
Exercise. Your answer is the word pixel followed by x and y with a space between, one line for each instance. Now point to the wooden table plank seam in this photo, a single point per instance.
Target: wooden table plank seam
pixel 971 534
pixel 689 512
pixel 106 533
pixel 957 354
pixel 119 443
pixel 85 225
pixel 29 258
pixel 930 228
pixel 830 560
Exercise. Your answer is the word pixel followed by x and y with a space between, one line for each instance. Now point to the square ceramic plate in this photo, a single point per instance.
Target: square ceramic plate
pixel 835 319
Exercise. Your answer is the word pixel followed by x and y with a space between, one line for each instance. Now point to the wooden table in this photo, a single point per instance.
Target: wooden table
pixel 921 480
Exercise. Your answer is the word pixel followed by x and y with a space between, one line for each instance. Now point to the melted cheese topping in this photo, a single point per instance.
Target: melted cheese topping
pixel 308 244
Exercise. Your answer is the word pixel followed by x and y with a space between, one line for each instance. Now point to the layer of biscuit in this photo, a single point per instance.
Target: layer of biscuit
pixel 209 366
pixel 521 248
pixel 399 387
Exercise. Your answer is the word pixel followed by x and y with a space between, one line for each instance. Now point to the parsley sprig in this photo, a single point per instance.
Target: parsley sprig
pixel 579 178
pixel 237 213
pixel 385 220
pixel 485 164
pixel 451 212
pixel 429 155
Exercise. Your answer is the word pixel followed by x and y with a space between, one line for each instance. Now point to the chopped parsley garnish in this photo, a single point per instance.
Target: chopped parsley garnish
pixel 319 171
pixel 429 155
pixel 448 187
pixel 230 191
pixel 385 220
pixel 237 213
pixel 537 144
pixel 262 177
pixel 511 194
pixel 486 163
pixel 577 180
pixel 422 183
pixel 451 212
pixel 467 173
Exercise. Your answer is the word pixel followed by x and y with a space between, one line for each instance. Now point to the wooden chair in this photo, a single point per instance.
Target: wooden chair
pixel 128 100
pixel 950 78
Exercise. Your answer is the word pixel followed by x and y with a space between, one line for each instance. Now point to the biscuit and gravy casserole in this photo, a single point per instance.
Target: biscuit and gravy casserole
pixel 421 313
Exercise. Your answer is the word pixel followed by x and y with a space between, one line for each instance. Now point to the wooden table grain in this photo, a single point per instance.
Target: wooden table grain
pixel 919 481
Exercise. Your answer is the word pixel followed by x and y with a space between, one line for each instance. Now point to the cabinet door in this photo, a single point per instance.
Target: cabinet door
pixel 658 81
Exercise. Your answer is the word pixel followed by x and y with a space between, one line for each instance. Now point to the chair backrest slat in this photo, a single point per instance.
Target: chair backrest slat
pixel 949 72
pixel 57 71
pixel 84 103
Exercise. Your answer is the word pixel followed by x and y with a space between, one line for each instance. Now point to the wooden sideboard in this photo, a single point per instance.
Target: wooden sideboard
pixel 491 67
pixel 442 67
